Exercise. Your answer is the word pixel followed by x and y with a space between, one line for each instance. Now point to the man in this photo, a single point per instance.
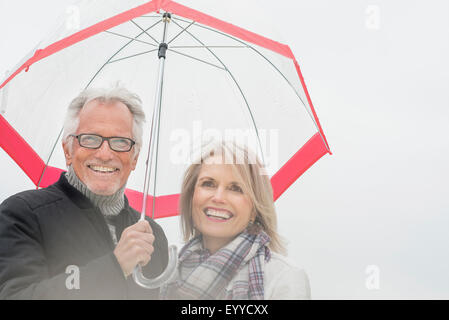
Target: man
pixel 79 238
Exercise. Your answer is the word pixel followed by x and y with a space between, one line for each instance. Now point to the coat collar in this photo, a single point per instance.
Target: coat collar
pixel 77 197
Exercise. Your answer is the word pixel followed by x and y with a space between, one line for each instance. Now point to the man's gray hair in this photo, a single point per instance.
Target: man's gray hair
pixel 116 93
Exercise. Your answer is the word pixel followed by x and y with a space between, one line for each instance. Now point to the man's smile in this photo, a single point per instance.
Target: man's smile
pixel 102 169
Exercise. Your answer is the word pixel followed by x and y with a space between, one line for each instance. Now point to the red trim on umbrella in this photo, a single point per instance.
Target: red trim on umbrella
pixel 302 160
pixel 50 176
pixel 298 69
pixel 20 151
pixel 166 206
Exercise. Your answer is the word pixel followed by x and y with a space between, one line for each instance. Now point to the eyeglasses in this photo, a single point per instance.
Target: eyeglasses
pixel 94 141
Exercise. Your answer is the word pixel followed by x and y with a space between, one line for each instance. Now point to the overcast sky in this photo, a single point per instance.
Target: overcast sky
pixel 371 221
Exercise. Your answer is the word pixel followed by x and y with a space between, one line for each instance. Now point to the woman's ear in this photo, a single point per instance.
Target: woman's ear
pixel 254 226
pixel 253 215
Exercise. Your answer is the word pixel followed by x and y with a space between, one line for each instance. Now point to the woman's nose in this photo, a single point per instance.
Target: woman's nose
pixel 219 195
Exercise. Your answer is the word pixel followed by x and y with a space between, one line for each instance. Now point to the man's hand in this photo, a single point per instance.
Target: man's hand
pixel 135 246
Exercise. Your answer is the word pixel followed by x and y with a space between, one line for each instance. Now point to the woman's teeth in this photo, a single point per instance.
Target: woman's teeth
pixel 225 215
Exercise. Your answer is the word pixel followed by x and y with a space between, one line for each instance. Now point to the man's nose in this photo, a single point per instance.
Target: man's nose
pixel 104 152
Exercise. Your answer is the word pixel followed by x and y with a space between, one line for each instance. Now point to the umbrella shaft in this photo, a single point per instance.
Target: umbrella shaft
pixel 154 132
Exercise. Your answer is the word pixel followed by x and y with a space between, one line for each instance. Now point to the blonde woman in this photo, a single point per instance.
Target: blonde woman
pixel 228 219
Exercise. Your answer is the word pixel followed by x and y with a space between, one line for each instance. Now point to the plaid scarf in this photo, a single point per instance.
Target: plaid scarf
pixel 235 272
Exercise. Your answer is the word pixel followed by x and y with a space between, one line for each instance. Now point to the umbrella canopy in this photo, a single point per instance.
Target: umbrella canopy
pixel 220 81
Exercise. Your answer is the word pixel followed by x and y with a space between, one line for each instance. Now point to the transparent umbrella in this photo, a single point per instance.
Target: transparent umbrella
pixel 200 79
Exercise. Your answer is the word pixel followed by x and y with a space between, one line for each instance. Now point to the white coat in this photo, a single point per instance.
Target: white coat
pixel 282 280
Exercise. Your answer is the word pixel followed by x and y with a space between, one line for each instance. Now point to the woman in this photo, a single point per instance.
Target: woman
pixel 229 220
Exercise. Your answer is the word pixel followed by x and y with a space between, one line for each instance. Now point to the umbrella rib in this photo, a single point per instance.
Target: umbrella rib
pixel 180 32
pixel 117 52
pixel 202 47
pixel 238 86
pixel 133 55
pixel 192 57
pixel 272 64
pixel 123 36
pixel 155 16
pixel 48 159
pixel 251 47
pixel 145 31
pixel 4 99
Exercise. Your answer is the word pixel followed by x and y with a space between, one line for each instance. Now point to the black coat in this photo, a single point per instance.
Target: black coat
pixel 42 232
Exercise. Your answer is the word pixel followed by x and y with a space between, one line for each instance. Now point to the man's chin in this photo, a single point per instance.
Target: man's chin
pixel 103 190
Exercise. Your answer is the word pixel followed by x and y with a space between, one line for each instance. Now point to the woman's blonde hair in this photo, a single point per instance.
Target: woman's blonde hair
pixel 256 185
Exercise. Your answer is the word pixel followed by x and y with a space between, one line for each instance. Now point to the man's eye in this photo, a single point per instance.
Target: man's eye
pixel 121 142
pixel 89 139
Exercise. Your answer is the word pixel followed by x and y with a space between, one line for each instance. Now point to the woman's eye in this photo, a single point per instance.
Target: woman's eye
pixel 207 184
pixel 236 188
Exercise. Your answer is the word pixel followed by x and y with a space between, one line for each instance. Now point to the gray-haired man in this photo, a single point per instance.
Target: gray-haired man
pixel 79 238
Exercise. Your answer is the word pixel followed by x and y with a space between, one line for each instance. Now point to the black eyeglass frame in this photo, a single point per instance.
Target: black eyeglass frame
pixel 78 137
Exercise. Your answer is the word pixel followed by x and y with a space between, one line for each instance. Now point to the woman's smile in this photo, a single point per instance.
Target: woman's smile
pixel 218 215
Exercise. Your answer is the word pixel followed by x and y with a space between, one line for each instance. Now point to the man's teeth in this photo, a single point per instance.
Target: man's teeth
pixel 102 169
pixel 218 214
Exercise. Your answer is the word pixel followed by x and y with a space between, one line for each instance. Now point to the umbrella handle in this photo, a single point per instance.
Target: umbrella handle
pixel 140 279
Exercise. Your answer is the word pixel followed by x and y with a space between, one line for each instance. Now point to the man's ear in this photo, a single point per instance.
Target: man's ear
pixel 134 162
pixel 67 153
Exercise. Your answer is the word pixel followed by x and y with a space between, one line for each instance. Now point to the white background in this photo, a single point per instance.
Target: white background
pixel 378 74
